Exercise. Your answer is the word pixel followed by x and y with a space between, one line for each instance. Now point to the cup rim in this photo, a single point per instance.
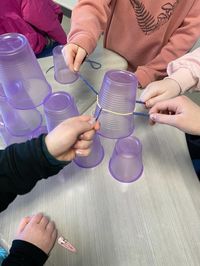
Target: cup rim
pixel 130 74
pixel 50 111
pixel 55 52
pixel 14 51
pixel 118 143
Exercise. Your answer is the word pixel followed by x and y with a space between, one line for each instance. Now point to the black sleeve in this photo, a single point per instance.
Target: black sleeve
pixel 23 253
pixel 22 165
pixel 193 143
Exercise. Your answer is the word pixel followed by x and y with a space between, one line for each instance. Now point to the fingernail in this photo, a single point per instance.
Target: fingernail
pixel 78 152
pixel 153 117
pixel 147 104
pixel 81 136
pixel 92 121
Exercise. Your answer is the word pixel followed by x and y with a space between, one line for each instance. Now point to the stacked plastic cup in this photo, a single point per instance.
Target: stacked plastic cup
pixel 8 138
pixel 21 76
pixel 18 122
pixel 126 162
pixel 95 157
pixel 23 88
pixel 58 107
pixel 62 74
pixel 117 99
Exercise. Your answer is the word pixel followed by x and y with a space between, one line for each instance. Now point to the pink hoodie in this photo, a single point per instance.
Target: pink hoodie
pixel 148 34
pixel 33 18
pixel 186 70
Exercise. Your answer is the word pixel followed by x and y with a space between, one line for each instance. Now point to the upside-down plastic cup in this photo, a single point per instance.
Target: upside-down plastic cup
pixel 126 161
pixel 8 138
pixel 62 74
pixel 58 107
pixel 21 76
pixel 94 158
pixel 117 99
pixel 18 122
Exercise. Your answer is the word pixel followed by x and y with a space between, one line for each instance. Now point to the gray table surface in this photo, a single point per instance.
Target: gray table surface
pixel 69 4
pixel 153 221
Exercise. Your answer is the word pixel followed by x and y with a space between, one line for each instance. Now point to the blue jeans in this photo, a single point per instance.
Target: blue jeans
pixel 3 254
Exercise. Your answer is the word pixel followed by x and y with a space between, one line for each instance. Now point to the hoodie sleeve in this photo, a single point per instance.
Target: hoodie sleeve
pixel 179 44
pixel 186 71
pixel 26 254
pixel 44 16
pixel 86 29
pixel 22 166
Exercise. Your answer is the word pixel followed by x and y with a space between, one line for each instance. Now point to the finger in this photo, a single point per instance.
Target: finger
pixel 36 218
pixel 50 227
pixel 88 135
pixel 82 128
pixel 44 221
pixel 164 119
pixel 148 93
pixel 69 53
pixel 83 153
pixel 155 100
pixel 83 144
pixel 168 105
pixel 23 224
pixel 54 234
pixel 81 53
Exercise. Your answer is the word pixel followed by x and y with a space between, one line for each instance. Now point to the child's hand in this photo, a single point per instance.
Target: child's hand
pixel 160 90
pixel 72 137
pixel 74 56
pixel 179 112
pixel 39 231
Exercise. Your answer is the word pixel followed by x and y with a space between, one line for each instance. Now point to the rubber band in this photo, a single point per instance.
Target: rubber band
pixel 111 112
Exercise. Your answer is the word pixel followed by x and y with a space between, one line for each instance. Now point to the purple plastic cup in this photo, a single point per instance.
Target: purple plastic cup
pixel 8 138
pixel 58 107
pixel 39 131
pixel 18 122
pixel 21 76
pixel 94 158
pixel 126 161
pixel 62 74
pixel 117 99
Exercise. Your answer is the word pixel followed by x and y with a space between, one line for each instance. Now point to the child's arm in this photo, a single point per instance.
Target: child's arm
pixel 179 112
pixel 180 42
pixel 88 21
pixel 184 74
pixel 44 17
pixel 23 165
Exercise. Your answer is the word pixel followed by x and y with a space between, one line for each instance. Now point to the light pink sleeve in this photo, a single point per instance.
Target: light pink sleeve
pixel 186 70
pixel 45 18
pixel 88 21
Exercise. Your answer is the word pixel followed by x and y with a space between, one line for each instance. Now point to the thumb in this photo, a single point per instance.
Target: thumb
pixel 81 54
pixel 164 119
pixel 84 126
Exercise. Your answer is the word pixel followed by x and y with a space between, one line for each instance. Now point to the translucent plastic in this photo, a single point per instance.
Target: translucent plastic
pixel 95 157
pixel 126 162
pixel 62 74
pixel 118 95
pixel 8 138
pixel 21 76
pixel 39 131
pixel 18 122
pixel 58 107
